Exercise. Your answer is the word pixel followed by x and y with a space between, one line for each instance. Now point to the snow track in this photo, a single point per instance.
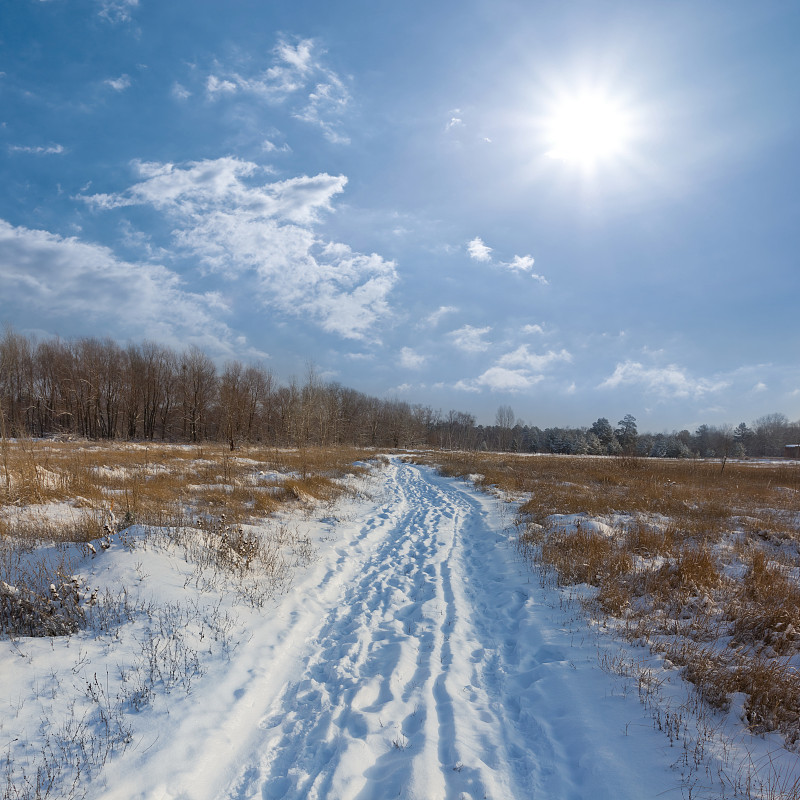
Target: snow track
pixel 399 667
pixel 415 660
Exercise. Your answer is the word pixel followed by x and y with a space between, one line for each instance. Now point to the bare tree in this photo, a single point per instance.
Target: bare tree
pixel 504 419
pixel 242 390
pixel 771 432
pixel 16 380
pixel 197 385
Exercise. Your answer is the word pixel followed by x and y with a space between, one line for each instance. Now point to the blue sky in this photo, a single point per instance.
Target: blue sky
pixel 577 209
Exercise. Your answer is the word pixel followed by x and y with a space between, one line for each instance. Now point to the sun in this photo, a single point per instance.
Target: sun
pixel 587 128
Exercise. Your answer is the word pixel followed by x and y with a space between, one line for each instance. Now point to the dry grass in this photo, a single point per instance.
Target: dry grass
pixel 697 493
pixel 158 484
pixel 62 492
pixel 765 609
pixel 582 555
pixel 701 563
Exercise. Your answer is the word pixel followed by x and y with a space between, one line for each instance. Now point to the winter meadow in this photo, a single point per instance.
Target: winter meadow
pixel 399 400
pixel 214 585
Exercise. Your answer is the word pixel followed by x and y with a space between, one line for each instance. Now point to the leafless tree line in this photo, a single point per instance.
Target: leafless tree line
pixel 97 389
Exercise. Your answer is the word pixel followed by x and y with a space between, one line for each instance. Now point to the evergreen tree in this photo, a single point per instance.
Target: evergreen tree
pixel 627 434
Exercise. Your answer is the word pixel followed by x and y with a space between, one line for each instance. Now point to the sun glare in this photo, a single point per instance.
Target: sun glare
pixel 586 129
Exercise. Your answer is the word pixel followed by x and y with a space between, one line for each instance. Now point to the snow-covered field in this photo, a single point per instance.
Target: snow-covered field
pixel 415 655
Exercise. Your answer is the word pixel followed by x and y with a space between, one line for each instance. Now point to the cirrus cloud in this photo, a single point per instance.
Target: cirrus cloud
pixel 297 76
pixel 117 10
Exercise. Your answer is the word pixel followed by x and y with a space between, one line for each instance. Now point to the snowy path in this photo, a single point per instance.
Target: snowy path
pixel 417 659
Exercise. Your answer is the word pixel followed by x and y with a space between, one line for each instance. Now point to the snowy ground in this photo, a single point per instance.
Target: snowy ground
pixel 415 656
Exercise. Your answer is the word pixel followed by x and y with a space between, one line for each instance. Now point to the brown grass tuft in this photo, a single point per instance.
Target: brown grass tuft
pixel 584 556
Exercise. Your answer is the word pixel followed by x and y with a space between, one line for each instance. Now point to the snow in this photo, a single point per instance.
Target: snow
pixel 415 655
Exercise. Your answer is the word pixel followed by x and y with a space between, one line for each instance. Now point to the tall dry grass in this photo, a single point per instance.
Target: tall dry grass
pixel 156 484
pixel 701 563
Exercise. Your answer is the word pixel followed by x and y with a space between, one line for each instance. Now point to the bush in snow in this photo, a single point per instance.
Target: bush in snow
pixel 26 612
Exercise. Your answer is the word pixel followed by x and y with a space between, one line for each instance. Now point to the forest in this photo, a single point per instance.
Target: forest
pixel 97 389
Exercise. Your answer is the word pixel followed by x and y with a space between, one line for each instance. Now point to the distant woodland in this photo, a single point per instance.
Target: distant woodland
pixel 96 389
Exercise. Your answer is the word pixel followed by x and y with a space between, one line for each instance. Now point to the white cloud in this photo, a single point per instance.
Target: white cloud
pixel 410 359
pixel 760 387
pixel 433 319
pixel 516 371
pixel 521 264
pixel 294 64
pixel 670 381
pixel 180 92
pixel 117 10
pixel 119 84
pixel 533 329
pixel 298 75
pixel 525 264
pixel 215 86
pixel 200 187
pixel 236 225
pixel 328 98
pixel 269 146
pixel 522 357
pixel 478 250
pixel 507 380
pixel 470 339
pixel 51 150
pixel 64 278
pixel 500 379
pixel 455 120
